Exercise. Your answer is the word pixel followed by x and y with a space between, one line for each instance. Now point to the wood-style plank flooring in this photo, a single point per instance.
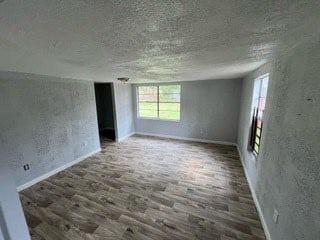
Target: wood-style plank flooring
pixel 146 188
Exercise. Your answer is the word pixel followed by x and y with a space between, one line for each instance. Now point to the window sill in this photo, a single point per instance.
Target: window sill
pixel 253 156
pixel 157 119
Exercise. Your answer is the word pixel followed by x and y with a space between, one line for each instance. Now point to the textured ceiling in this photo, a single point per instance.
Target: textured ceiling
pixel 148 40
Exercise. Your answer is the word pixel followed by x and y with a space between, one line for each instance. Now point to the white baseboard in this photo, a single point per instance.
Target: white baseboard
pixel 175 137
pixel 186 139
pixel 124 137
pixel 59 169
pixel 255 198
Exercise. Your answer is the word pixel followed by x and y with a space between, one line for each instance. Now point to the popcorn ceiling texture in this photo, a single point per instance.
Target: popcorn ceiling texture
pixel 286 175
pixel 45 122
pixel 149 40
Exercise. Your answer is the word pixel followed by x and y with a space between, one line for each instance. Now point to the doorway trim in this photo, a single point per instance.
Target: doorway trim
pixel 115 123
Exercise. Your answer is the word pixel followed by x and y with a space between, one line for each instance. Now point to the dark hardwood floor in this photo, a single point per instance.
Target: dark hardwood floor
pixel 146 188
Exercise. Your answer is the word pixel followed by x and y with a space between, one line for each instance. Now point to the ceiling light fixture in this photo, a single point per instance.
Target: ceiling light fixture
pixel 123 79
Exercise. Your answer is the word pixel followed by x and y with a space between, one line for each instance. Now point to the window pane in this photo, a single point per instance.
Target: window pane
pixel 148 94
pixel 151 90
pixel 148 106
pixel 148 110
pixel 258 132
pixel 169 93
pixel 148 98
pixel 169 102
pixel 167 97
pixel 259 123
pixel 169 115
pixel 148 113
pixel 262 104
pixel 175 107
pixel 169 111
pixel 256 93
pixel 256 148
pixel 258 106
pixel 169 89
pixel 264 87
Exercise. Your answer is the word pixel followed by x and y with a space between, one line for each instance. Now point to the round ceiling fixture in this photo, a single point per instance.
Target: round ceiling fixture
pixel 123 79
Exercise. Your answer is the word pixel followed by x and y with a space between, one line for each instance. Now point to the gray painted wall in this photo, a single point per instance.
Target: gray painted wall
pixel 46 122
pixel 250 161
pixel 12 221
pixel 209 111
pixel 124 110
pixel 286 174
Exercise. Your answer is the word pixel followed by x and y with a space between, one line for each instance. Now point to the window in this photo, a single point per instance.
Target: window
pixel 159 102
pixel 258 107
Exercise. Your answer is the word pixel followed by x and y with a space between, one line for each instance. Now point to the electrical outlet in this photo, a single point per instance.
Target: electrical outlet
pixel 275 216
pixel 26 167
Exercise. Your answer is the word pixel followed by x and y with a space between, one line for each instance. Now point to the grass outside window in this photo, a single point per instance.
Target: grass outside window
pixel 159 102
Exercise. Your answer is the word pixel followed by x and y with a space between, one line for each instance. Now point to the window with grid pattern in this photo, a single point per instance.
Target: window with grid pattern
pixel 159 102
pixel 258 105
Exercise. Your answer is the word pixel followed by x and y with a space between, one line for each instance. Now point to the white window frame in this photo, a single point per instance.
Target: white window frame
pixel 156 118
pixel 257 92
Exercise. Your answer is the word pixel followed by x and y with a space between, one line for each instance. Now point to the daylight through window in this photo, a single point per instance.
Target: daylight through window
pixel 159 102
pixel 258 105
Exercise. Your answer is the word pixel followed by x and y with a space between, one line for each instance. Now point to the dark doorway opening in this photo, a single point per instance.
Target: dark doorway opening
pixel 105 110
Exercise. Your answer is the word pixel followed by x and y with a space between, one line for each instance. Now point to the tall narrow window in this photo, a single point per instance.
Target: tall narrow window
pixel 159 102
pixel 258 107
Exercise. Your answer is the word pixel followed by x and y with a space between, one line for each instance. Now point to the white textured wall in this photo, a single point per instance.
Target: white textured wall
pixel 45 122
pixel 250 161
pixel 286 174
pixel 209 111
pixel 124 110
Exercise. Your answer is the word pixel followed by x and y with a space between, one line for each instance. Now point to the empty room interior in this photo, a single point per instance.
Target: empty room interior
pixel 160 120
